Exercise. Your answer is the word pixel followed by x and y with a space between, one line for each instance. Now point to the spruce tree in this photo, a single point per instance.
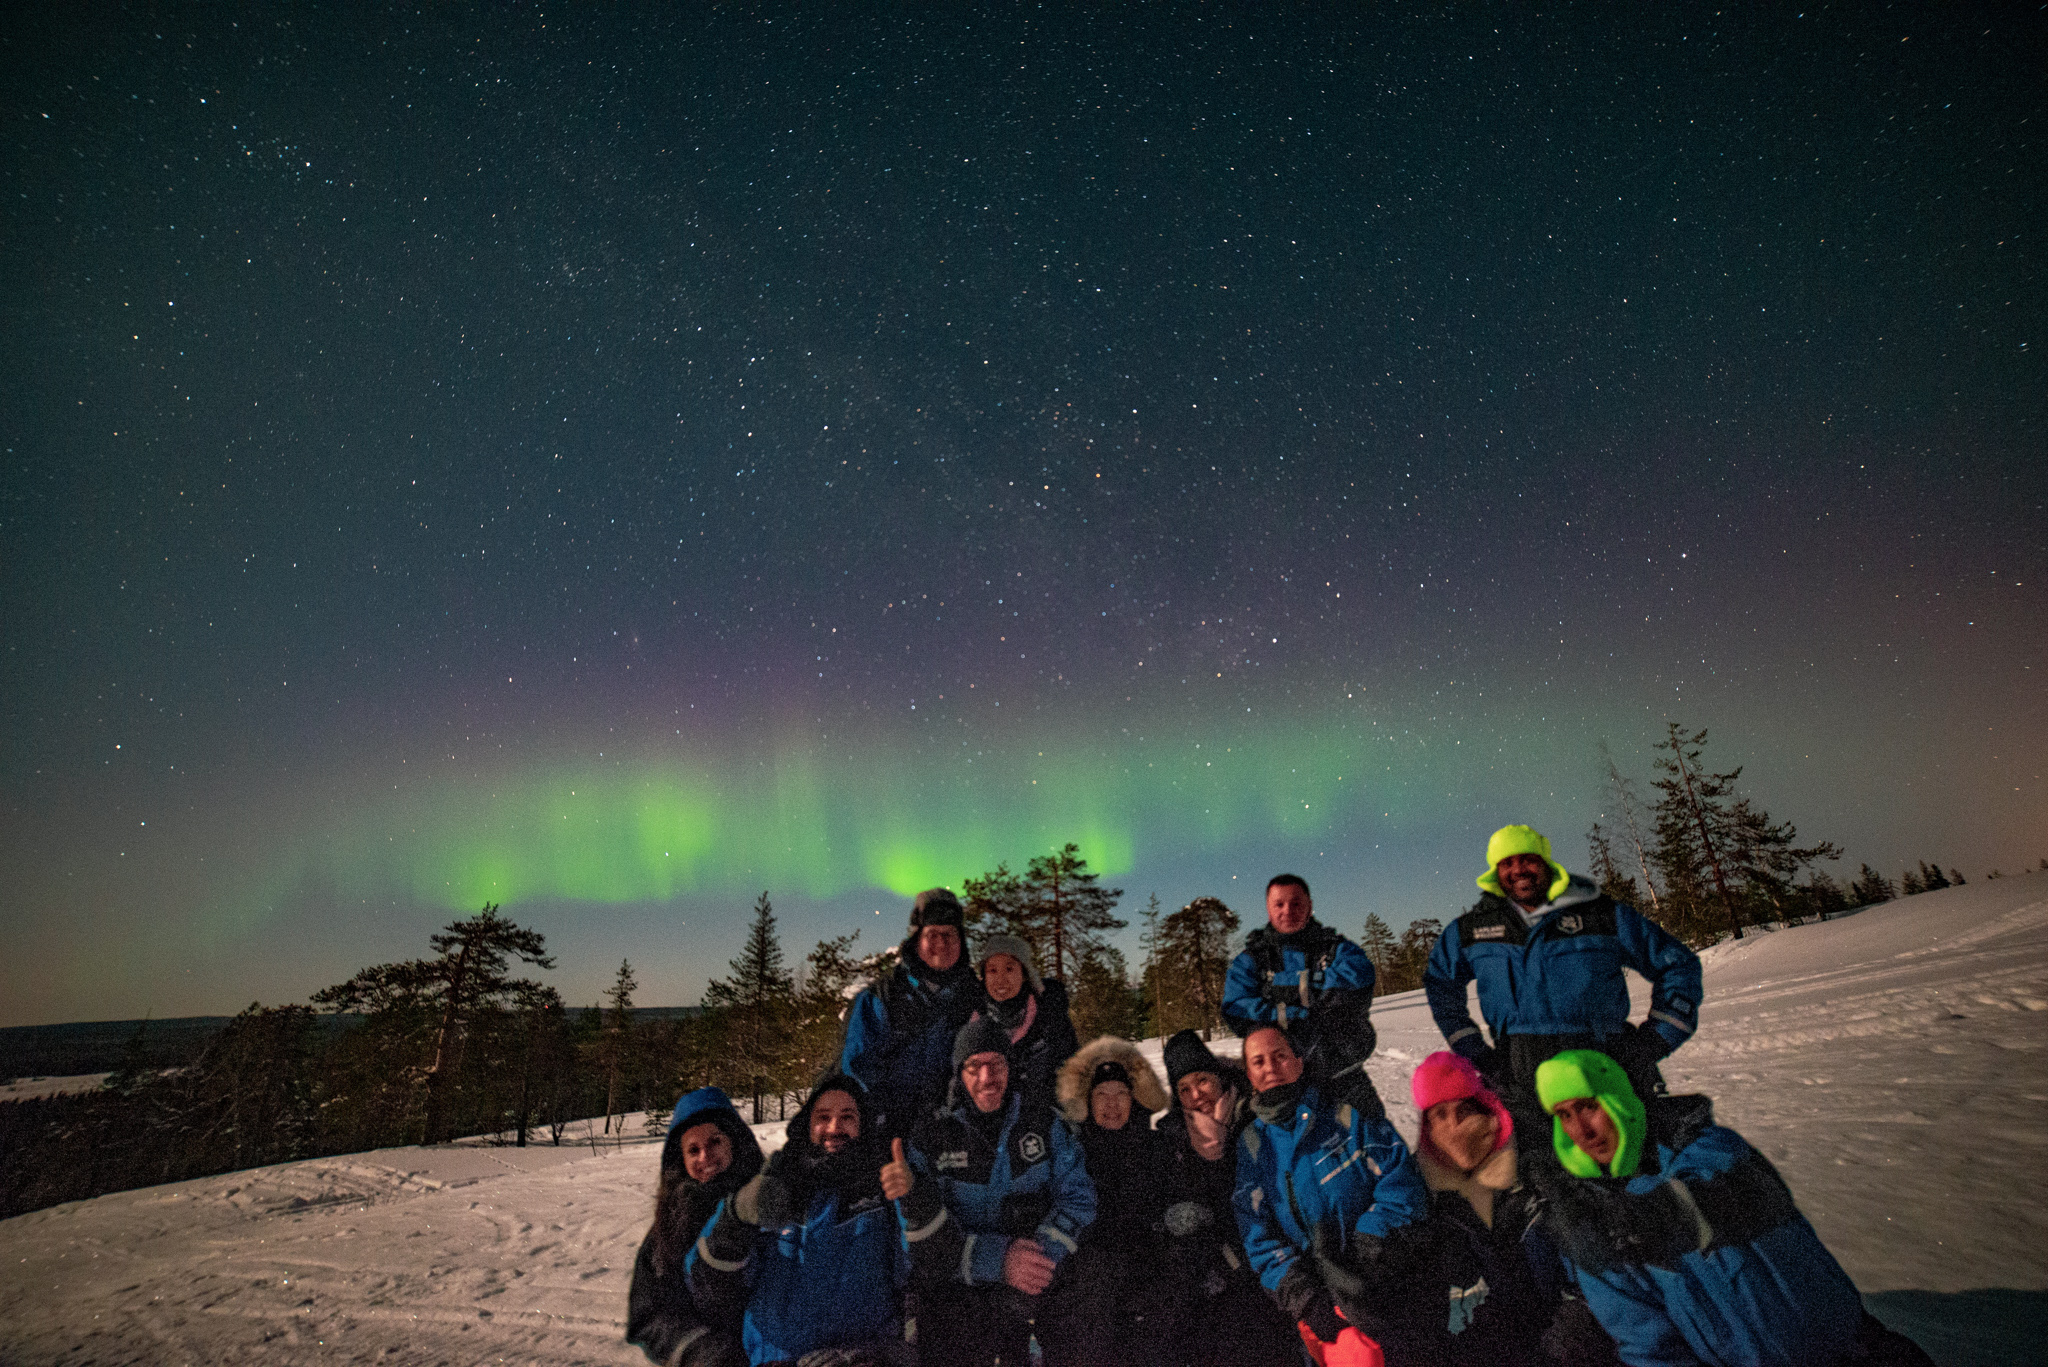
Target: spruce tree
pixel 755 1001
pixel 1870 888
pixel 616 1043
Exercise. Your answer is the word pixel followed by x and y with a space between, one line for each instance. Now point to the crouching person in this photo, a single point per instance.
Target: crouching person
pixel 808 1256
pixel 706 1158
pixel 1491 1288
pixel 997 1200
pixel 1217 1313
pixel 1686 1241
pixel 1325 1193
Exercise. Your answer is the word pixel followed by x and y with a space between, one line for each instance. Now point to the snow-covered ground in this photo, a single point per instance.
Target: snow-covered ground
pixel 30 1088
pixel 1891 1064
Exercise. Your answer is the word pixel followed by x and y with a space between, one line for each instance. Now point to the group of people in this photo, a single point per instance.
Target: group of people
pixel 969 1178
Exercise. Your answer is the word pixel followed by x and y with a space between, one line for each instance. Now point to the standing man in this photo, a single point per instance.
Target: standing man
pixel 1547 950
pixel 1302 976
pixel 899 1034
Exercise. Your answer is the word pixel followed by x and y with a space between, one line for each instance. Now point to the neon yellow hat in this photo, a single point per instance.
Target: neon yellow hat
pixel 1591 1074
pixel 1513 840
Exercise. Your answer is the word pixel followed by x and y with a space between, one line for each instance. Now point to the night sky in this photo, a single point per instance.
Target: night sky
pixel 610 465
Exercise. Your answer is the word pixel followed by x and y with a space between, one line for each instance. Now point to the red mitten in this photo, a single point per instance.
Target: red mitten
pixel 1312 1345
pixel 1353 1349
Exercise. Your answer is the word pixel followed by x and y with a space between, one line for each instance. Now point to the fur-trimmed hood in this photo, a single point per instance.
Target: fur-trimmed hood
pixel 1147 1091
pixel 1479 1187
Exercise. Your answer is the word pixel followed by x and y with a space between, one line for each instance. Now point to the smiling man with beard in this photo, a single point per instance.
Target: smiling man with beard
pixel 809 1255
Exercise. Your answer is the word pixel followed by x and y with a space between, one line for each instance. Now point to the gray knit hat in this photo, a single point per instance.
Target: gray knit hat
pixel 1016 948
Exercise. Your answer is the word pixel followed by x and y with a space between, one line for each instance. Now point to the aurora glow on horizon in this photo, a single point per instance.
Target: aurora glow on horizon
pixel 614 465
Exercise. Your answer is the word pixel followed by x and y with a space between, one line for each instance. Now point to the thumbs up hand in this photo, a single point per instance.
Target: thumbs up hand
pixel 897 1176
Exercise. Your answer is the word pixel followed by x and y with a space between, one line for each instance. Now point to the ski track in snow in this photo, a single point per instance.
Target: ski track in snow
pixel 1893 1064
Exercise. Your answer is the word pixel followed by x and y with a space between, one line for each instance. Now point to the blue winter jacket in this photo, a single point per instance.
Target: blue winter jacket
pixel 1031 1182
pixel 1340 1172
pixel 833 1279
pixel 1267 980
pixel 1564 976
pixel 1763 1292
pixel 899 1037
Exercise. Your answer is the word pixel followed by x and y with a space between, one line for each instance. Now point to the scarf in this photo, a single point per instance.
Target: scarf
pixel 1276 1106
pixel 1209 1129
pixel 1014 1015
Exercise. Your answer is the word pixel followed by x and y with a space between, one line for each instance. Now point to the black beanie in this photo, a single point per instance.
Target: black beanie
pixel 937 907
pixel 1109 1070
pixel 979 1036
pixel 1187 1053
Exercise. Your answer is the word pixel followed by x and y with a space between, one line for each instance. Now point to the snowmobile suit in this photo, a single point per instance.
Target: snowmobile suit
pixel 981 1185
pixel 830 1275
pixel 1318 1191
pixel 1559 984
pixel 1317 986
pixel 899 1037
pixel 1693 1252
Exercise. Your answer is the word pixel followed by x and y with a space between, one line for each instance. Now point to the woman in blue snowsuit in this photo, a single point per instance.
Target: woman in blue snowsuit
pixel 809 1255
pixel 1685 1240
pixel 1323 1195
pixel 708 1156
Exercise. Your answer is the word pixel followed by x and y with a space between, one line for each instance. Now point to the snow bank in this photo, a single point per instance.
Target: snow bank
pixel 1889 1062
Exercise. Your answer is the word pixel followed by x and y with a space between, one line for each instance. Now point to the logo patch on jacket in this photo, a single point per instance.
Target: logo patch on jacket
pixel 1489 932
pixel 1571 923
pixel 951 1160
pixel 1031 1145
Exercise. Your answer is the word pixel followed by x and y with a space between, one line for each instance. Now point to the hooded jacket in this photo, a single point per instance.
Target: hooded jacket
pixel 832 1275
pixel 983 1181
pixel 899 1036
pixel 1699 1256
pixel 1333 1183
pixel 1563 976
pixel 663 1318
pixel 1315 984
pixel 1125 1165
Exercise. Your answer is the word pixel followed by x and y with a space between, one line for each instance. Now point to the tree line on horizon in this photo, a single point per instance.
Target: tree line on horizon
pixel 458 1045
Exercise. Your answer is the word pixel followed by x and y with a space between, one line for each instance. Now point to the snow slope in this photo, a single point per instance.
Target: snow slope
pixel 1891 1063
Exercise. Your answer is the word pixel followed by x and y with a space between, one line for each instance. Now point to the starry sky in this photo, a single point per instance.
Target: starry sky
pixel 613 463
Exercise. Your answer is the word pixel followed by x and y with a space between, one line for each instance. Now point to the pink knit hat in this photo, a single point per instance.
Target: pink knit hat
pixel 1445 1076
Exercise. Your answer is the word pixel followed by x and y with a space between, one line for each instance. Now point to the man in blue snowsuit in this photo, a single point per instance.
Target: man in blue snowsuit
pixel 899 1032
pixel 1323 1189
pixel 1684 1239
pixel 997 1197
pixel 1297 973
pixel 809 1256
pixel 1548 949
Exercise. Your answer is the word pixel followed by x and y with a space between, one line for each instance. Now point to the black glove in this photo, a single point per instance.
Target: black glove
pixel 1488 1060
pixel 769 1200
pixel 1306 1300
pixel 1289 995
pixel 1640 1050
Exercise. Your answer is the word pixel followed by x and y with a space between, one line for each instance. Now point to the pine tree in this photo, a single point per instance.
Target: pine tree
pixel 1628 811
pixel 832 973
pixel 1063 913
pixel 755 1001
pixel 1931 877
pixel 1606 870
pixel 1870 888
pixel 1104 1002
pixel 1154 969
pixel 1411 956
pixel 1719 853
pixel 1194 945
pixel 469 976
pixel 1377 940
pixel 615 1048
pixel 993 904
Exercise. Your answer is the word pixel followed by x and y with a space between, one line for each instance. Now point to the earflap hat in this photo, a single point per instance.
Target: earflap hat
pixel 1589 1073
pixel 1509 841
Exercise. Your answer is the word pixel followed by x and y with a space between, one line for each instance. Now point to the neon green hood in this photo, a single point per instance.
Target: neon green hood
pixel 1511 840
pixel 1589 1073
